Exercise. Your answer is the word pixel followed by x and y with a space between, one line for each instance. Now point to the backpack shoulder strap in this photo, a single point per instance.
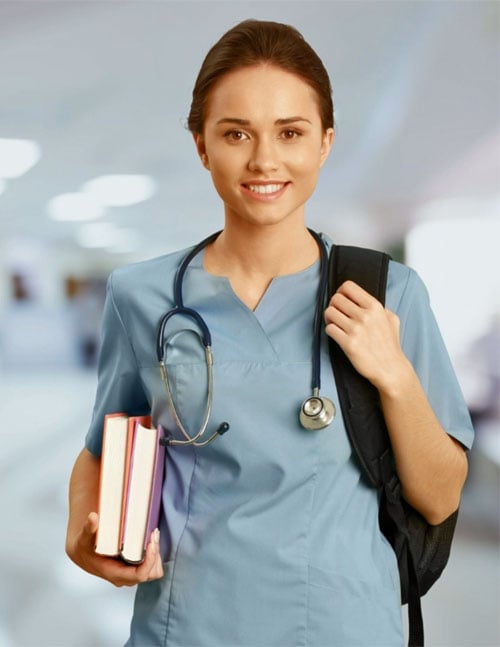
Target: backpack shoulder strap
pixel 367 267
pixel 359 399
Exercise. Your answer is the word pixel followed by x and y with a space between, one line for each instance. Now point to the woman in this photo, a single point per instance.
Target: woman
pixel 268 535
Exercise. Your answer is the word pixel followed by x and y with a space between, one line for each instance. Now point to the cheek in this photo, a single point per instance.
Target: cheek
pixel 223 163
pixel 306 169
pixel 221 173
pixel 223 177
pixel 305 160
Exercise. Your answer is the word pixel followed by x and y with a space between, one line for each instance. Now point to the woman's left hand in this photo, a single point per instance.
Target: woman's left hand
pixel 367 332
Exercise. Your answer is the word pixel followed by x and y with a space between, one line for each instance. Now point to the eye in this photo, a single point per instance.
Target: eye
pixel 290 133
pixel 235 135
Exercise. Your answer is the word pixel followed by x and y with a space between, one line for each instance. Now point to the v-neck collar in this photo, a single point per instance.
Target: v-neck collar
pixel 275 284
pixel 284 315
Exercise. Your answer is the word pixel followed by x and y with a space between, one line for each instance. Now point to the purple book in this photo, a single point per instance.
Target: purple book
pixel 156 488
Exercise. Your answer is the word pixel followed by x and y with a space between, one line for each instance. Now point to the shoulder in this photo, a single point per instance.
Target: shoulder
pixel 145 278
pixel 148 271
pixel 404 287
pixel 403 283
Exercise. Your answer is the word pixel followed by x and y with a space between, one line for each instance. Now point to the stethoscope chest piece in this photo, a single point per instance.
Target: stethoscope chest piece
pixel 316 413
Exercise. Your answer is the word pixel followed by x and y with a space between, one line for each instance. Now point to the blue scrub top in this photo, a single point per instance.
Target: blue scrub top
pixel 270 535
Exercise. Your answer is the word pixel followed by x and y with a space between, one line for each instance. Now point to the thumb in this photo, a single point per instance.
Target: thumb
pixel 91 525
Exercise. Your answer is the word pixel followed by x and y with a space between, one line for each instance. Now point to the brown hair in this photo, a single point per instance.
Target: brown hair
pixel 256 41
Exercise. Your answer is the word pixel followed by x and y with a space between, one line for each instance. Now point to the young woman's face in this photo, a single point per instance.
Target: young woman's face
pixel 263 143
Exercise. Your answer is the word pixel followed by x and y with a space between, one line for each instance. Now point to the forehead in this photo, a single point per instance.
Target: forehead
pixel 261 90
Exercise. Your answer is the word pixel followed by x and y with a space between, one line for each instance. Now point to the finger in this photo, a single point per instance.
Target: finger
pixel 152 550
pixel 123 574
pixel 336 318
pixel 341 303
pixel 90 529
pixel 152 567
pixel 157 571
pixel 92 522
pixel 356 293
pixel 337 334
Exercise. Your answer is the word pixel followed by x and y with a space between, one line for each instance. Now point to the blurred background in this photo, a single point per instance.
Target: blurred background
pixel 97 170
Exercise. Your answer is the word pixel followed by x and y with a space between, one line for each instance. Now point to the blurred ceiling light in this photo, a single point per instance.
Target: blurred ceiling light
pixel 75 207
pixel 100 234
pixel 120 190
pixel 17 157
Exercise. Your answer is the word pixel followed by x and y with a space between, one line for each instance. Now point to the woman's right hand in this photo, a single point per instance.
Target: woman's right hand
pixel 82 528
pixel 80 550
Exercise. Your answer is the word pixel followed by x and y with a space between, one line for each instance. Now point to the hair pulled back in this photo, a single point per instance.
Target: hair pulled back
pixel 257 41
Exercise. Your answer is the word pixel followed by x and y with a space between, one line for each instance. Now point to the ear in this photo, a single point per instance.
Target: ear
pixel 200 147
pixel 326 145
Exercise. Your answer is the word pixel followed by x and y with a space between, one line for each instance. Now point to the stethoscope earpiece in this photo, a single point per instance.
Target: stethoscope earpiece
pixel 316 413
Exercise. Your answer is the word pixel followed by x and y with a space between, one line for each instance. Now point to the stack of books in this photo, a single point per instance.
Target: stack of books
pixel 130 486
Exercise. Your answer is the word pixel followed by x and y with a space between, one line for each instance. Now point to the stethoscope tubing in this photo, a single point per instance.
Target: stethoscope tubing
pixel 179 307
pixel 190 440
pixel 318 315
pixel 206 340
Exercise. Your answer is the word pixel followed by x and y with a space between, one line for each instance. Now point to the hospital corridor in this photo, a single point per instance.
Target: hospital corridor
pixel 98 171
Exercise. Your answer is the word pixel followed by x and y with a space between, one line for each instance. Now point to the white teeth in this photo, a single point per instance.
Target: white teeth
pixel 265 188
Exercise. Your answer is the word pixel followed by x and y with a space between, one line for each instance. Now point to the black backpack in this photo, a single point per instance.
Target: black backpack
pixel 422 549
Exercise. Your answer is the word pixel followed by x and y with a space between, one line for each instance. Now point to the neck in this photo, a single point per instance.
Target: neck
pixel 265 252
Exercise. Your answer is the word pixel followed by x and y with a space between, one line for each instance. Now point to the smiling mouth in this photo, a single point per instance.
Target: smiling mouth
pixel 265 189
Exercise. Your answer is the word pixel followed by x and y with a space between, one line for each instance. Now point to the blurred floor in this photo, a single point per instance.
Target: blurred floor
pixel 45 601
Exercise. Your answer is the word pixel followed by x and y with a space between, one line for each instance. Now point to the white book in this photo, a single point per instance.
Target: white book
pixel 112 483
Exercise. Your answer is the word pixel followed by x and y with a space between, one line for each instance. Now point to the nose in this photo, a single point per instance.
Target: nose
pixel 264 156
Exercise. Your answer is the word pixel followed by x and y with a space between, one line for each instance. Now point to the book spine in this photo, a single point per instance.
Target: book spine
pixel 156 488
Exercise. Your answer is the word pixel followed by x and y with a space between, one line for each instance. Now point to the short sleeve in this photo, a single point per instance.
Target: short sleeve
pixel 423 344
pixel 119 387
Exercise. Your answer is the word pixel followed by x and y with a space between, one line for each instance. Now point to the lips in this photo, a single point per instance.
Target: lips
pixel 265 189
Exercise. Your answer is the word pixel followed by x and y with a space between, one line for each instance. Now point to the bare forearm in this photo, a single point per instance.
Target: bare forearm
pixel 83 494
pixel 431 465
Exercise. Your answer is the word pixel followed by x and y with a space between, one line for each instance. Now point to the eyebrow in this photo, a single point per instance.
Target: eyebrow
pixel 246 122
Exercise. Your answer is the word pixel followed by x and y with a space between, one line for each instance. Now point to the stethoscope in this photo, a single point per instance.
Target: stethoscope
pixel 316 412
